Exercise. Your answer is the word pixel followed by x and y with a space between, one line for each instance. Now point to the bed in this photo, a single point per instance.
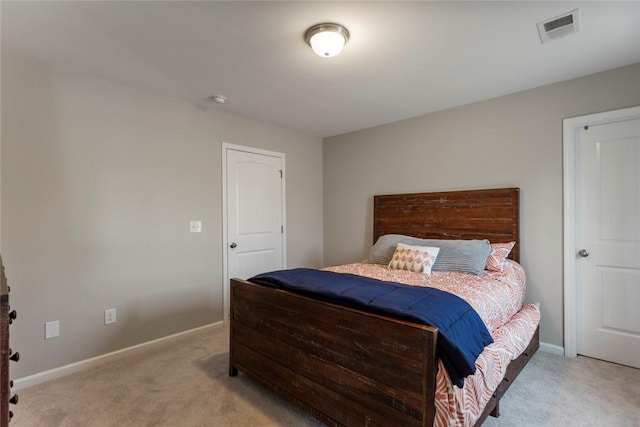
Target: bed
pixel 347 366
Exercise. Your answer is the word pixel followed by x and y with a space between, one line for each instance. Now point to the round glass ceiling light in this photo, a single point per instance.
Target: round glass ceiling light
pixel 327 40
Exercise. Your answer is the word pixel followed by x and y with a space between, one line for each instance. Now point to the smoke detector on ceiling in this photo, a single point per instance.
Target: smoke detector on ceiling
pixel 205 103
pixel 218 99
pixel 560 26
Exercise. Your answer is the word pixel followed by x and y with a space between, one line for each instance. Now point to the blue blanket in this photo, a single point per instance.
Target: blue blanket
pixel 462 333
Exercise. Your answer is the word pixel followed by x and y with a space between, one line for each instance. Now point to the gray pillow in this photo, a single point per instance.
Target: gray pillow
pixel 464 256
pixel 382 251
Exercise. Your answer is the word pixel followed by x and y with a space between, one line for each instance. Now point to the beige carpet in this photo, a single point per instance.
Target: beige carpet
pixel 186 383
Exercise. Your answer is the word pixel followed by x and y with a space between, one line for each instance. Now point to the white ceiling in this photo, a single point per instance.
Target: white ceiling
pixel 404 59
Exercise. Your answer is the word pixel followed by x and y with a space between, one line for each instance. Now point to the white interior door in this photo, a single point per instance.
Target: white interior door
pixel 255 217
pixel 608 242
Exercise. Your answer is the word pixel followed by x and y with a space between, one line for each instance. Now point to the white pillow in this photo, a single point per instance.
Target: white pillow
pixel 419 259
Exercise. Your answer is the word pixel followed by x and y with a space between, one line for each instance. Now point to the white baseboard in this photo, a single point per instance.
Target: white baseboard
pixel 551 348
pixel 62 371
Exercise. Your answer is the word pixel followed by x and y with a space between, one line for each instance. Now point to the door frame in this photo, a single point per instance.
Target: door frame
pixel 226 147
pixel 570 140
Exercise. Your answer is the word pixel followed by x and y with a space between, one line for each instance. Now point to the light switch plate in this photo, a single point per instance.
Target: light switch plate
pixel 51 329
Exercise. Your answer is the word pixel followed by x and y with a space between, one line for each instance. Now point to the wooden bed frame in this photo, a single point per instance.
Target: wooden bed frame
pixel 349 367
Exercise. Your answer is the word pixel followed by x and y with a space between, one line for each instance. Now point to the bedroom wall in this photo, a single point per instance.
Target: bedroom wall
pixel 511 141
pixel 99 182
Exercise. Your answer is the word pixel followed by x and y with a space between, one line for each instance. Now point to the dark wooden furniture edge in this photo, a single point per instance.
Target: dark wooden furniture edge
pixel 5 390
pixel 474 214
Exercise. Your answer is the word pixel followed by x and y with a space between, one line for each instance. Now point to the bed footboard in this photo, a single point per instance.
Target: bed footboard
pixel 343 366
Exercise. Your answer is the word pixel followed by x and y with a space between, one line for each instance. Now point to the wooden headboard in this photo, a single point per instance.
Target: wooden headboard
pixel 476 214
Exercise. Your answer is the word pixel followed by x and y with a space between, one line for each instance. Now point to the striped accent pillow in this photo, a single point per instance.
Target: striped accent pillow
pixel 464 256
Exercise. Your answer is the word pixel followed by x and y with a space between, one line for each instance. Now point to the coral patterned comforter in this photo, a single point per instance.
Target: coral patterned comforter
pixel 498 299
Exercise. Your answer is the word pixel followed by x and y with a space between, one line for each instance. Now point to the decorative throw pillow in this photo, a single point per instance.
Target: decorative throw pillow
pixel 418 259
pixel 499 252
pixel 463 256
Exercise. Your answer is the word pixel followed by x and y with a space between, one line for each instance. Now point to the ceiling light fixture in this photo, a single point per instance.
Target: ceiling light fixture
pixel 327 40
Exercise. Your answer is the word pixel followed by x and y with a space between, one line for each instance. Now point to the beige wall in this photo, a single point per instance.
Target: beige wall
pixel 515 140
pixel 99 182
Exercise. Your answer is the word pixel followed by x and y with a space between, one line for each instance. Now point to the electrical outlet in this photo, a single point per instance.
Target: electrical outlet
pixel 51 329
pixel 110 316
pixel 195 226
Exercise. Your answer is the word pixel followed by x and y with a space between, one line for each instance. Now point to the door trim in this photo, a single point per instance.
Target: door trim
pixel 225 240
pixel 570 127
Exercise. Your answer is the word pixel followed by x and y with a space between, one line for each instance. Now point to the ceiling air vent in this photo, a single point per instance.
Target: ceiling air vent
pixel 560 26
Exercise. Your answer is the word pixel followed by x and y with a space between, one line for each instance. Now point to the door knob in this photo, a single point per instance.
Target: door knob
pixel 233 245
pixel 583 253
